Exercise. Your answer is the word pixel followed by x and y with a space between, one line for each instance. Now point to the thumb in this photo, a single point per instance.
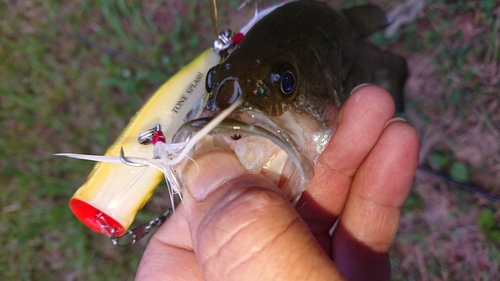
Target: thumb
pixel 243 228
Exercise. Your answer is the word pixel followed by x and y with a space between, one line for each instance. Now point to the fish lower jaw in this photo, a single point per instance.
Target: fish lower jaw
pixel 257 155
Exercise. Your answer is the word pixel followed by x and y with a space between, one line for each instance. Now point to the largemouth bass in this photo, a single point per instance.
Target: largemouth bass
pixel 289 75
pixel 272 101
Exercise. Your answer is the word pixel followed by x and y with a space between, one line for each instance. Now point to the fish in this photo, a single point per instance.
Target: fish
pixel 291 73
pixel 273 99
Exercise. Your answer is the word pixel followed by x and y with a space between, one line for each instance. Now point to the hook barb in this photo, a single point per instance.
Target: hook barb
pixel 127 161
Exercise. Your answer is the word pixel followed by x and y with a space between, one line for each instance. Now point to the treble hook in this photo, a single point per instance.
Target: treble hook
pixel 129 162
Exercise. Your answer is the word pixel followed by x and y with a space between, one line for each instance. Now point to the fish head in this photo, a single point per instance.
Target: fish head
pixel 286 77
pixel 269 83
pixel 276 130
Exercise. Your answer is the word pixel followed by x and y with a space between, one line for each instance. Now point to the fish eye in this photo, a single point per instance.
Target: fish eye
pixel 285 79
pixel 287 82
pixel 208 82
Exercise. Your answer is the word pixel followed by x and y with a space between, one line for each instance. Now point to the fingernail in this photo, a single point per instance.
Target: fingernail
pixel 395 119
pixel 359 87
pixel 209 170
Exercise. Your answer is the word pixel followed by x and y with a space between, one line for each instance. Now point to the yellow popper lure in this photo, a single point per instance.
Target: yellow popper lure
pixel 114 193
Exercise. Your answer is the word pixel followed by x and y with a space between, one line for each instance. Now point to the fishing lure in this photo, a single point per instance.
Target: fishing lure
pixel 114 193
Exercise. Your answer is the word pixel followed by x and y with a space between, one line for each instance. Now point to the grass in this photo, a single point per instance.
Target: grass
pixel 452 50
pixel 72 75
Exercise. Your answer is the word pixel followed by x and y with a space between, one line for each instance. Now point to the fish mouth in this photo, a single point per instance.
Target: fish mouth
pixel 261 145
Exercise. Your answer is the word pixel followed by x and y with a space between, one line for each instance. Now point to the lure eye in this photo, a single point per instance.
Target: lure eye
pixel 208 83
pixel 287 82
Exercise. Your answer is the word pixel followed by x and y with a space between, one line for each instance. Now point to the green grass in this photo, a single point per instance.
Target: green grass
pixel 72 75
pixel 450 102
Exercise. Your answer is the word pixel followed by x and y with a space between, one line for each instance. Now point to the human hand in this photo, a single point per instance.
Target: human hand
pixel 244 229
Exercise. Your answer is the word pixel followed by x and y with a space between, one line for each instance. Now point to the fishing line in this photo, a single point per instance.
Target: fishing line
pixel 466 186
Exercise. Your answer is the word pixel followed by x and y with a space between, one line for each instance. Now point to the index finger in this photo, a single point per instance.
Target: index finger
pixel 361 122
